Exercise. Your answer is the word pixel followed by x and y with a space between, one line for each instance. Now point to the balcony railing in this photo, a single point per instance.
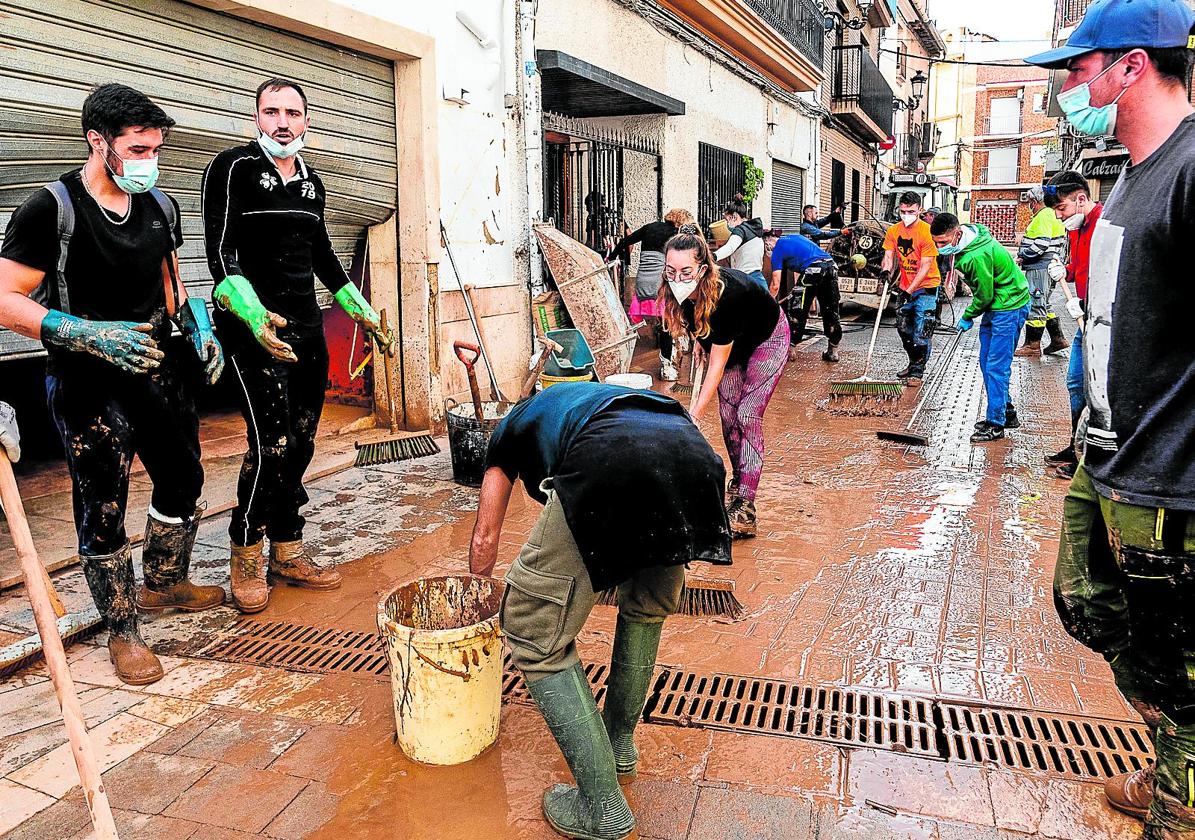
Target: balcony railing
pixel 1000 175
pixel 906 153
pixel 1070 11
pixel 799 21
pixel 1002 125
pixel 859 82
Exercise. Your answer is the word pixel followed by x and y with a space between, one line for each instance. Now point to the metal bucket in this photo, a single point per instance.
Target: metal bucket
pixel 469 438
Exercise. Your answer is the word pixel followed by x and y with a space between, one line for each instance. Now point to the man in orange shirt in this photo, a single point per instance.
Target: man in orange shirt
pixel 909 249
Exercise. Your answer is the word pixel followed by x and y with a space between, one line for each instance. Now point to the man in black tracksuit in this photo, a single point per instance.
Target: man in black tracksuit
pixel 263 212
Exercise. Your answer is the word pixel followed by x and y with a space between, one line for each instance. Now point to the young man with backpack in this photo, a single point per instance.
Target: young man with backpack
pixel 89 267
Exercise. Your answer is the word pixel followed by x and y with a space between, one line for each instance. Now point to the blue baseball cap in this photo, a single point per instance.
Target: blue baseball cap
pixel 1124 25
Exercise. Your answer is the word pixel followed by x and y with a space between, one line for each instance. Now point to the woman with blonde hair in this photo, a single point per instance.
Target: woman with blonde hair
pixel 737 324
pixel 652 238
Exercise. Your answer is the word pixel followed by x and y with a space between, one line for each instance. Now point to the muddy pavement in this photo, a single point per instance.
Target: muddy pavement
pixel 898 670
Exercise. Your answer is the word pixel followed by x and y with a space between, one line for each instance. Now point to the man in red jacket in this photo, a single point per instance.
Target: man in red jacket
pixel 1070 197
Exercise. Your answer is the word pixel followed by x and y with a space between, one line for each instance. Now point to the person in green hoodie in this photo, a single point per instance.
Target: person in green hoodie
pixel 999 290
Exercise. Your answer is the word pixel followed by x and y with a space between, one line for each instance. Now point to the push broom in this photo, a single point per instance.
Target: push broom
pixel 907 435
pixel 864 387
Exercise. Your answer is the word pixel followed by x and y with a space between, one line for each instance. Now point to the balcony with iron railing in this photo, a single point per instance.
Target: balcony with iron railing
pixel 1071 12
pixel 906 154
pixel 861 94
pixel 999 126
pixel 799 21
pixel 991 176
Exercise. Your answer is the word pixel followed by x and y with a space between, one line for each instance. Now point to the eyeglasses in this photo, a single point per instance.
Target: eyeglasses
pixel 685 274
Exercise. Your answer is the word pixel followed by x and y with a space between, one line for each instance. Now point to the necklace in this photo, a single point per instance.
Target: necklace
pixel 104 211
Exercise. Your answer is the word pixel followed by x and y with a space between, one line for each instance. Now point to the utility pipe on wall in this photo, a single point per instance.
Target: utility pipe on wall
pixel 532 138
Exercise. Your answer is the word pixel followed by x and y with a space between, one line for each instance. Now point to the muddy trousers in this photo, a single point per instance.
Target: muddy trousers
pixel 1041 289
pixel 549 597
pixel 1123 586
pixel 103 424
pixel 281 403
pixel 824 289
pixel 997 343
pixel 743 397
pixel 915 322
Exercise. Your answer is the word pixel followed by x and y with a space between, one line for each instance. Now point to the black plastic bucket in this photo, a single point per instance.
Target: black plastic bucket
pixel 468 438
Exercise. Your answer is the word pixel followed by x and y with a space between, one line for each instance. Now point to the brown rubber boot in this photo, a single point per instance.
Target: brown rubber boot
pixel 250 590
pixel 1131 792
pixel 1058 341
pixel 290 562
pixel 166 559
pixel 110 579
pixel 1032 346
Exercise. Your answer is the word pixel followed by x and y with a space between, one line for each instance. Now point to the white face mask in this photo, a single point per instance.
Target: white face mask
pixel 277 150
pixel 909 219
pixel 682 290
pixel 1074 221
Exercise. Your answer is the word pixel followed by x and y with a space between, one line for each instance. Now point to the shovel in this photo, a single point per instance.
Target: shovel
pixel 462 349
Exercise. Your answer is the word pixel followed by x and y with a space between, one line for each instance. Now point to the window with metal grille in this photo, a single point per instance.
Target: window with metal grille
pixel 720 174
pixel 788 196
pixel 837 184
pixel 583 190
pixel 853 214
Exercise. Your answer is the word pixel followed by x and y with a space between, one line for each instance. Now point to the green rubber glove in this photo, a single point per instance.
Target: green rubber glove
pixel 125 344
pixel 237 296
pixel 193 320
pixel 351 301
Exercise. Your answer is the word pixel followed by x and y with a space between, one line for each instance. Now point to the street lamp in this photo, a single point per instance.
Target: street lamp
pixel 917 83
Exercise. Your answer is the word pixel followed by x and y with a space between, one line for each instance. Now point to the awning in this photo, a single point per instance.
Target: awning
pixel 579 89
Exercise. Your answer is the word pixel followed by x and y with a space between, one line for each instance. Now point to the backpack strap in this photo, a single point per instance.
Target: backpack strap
pixel 66 228
pixel 167 208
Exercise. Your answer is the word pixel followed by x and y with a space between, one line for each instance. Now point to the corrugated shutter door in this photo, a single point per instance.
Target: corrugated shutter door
pixel 202 67
pixel 788 196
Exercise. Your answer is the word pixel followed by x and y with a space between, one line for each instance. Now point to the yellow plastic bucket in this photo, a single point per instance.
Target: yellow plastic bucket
pixel 546 381
pixel 721 232
pixel 445 653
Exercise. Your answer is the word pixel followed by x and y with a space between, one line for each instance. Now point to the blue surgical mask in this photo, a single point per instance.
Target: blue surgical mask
pixel 139 175
pixel 275 149
pixel 1085 117
pixel 949 250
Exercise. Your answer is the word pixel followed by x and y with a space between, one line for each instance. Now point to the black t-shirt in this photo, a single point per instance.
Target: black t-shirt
pixel 1139 348
pixel 113 271
pixel 639 484
pixel 746 315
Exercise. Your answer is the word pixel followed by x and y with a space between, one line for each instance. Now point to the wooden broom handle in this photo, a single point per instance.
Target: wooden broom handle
pixel 60 674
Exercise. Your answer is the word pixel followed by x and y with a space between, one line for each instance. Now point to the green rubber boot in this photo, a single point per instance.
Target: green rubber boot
pixel 595 809
pixel 631 665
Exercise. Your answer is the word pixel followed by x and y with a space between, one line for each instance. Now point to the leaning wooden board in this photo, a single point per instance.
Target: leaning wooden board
pixel 592 300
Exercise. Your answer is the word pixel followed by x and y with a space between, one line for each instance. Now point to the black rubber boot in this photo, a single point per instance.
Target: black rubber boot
pixel 110 579
pixel 831 354
pixel 1032 346
pixel 1058 341
pixel 631 667
pixel 596 808
pixel 166 559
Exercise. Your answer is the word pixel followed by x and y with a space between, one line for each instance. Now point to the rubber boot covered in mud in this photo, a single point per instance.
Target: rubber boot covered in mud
pixel 1058 341
pixel 631 667
pixel 110 579
pixel 596 808
pixel 166 560
pixel 1032 346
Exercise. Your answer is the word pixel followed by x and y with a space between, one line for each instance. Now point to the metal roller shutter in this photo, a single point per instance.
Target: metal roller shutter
pixel 202 67
pixel 788 196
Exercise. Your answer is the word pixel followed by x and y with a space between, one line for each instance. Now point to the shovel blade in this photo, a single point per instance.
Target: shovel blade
pixel 904 437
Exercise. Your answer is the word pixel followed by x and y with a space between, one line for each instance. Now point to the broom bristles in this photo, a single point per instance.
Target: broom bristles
pixel 395 449
pixel 705 597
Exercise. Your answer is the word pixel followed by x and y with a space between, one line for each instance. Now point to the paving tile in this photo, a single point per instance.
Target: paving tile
pixel 244 739
pixel 1075 811
pixel 131 825
pixel 20 803
pixel 148 782
pixel 309 810
pixel 168 711
pixel 64 818
pixel 237 798
pixel 18 750
pixel 177 738
pixel 920 787
pixel 1017 800
pixel 836 822
pixel 114 741
pixel 663 808
pixel 731 814
pixel 313 754
pixel 788 764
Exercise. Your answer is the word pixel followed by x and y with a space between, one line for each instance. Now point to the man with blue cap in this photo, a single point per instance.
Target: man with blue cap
pixel 1124 584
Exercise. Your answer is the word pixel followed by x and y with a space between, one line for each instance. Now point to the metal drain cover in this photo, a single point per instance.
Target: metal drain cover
pixel 849 716
pixel 297 647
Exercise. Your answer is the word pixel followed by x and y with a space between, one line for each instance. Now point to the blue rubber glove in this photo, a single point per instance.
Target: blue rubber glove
pixel 196 325
pixel 127 345
pixel 965 325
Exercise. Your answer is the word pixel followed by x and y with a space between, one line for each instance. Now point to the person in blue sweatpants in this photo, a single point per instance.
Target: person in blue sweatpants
pixel 1001 295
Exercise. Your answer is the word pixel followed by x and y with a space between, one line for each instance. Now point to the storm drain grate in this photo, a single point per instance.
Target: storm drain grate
pixel 297 647
pixel 514 690
pixel 849 716
pixel 1065 745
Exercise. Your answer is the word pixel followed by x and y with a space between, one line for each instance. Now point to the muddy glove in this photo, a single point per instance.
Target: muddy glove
pixel 358 308
pixel 237 296
pixel 10 435
pixel 123 343
pixel 1075 307
pixel 1057 271
pixel 196 325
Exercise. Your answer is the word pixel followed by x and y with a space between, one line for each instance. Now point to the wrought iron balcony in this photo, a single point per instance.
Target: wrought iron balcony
pixel 861 93
pixel 906 154
pixel 1071 12
pixel 799 21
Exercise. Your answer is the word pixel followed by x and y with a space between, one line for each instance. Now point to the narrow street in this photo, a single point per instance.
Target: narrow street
pixel 898 671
